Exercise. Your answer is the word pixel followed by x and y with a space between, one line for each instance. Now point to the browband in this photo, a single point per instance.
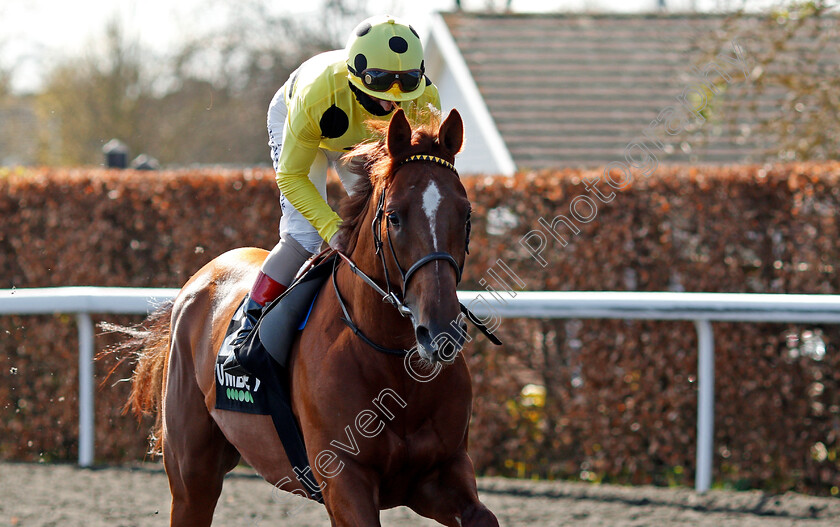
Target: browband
pixel 433 159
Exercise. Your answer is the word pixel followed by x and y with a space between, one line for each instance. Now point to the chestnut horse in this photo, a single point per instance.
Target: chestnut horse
pixel 381 430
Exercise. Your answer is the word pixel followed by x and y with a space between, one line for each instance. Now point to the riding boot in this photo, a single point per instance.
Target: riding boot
pixel 264 290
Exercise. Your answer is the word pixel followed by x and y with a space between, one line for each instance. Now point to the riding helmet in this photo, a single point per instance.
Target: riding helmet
pixel 385 44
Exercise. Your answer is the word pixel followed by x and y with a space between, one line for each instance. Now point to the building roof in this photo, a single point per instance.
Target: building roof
pixel 574 90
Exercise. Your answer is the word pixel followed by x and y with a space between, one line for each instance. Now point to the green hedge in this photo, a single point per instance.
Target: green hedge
pixel 620 396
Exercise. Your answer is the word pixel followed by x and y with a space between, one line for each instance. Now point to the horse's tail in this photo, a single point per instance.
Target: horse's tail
pixel 151 345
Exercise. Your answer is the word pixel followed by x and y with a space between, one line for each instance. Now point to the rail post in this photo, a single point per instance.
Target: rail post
pixel 705 404
pixel 86 421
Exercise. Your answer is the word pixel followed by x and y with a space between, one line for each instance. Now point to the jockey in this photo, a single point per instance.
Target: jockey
pixel 315 117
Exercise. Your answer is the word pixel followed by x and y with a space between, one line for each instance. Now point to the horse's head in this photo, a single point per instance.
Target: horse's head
pixel 421 228
pixel 426 224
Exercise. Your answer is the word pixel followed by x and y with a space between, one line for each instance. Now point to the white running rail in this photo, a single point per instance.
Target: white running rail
pixel 700 308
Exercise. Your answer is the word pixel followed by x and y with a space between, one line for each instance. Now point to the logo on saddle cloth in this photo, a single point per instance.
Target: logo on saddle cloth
pixel 239 393
pixel 237 388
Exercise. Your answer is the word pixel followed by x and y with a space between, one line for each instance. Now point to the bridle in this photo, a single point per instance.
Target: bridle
pixel 389 295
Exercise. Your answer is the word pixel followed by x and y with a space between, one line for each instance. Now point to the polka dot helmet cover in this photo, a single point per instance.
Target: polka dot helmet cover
pixel 385 43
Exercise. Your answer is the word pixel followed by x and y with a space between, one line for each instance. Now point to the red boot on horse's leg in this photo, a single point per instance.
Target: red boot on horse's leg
pixel 264 290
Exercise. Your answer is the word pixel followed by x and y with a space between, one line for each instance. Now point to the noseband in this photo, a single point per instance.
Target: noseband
pixel 397 298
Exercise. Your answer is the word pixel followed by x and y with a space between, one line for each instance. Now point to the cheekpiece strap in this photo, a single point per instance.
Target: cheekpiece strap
pixel 432 159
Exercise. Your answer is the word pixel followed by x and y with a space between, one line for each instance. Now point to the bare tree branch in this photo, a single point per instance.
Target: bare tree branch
pixel 791 101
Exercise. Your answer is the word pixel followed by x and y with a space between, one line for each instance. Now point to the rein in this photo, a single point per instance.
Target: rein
pixel 397 298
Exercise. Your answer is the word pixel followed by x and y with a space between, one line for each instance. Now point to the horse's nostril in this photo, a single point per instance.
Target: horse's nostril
pixel 439 346
pixel 424 337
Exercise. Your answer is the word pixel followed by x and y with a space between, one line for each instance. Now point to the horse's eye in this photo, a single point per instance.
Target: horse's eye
pixel 393 219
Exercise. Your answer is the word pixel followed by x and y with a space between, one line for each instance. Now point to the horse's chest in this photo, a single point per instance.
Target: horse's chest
pixel 432 442
pixel 434 431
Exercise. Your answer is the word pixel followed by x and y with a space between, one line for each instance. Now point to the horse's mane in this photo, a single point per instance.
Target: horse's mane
pixel 373 163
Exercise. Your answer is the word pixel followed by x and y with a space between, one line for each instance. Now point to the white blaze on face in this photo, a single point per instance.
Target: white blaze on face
pixel 431 201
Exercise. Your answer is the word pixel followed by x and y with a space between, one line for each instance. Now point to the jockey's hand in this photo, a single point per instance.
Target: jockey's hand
pixel 339 241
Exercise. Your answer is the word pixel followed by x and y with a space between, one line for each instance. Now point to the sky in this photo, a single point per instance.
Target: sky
pixel 35 33
pixel 32 32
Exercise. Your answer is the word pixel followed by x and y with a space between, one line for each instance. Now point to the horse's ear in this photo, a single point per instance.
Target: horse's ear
pixel 451 133
pixel 399 134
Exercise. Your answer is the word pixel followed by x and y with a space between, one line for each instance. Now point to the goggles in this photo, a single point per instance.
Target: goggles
pixel 382 80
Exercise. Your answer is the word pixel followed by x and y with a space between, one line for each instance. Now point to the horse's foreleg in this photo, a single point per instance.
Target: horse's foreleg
pixel 352 498
pixel 449 496
pixel 195 453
